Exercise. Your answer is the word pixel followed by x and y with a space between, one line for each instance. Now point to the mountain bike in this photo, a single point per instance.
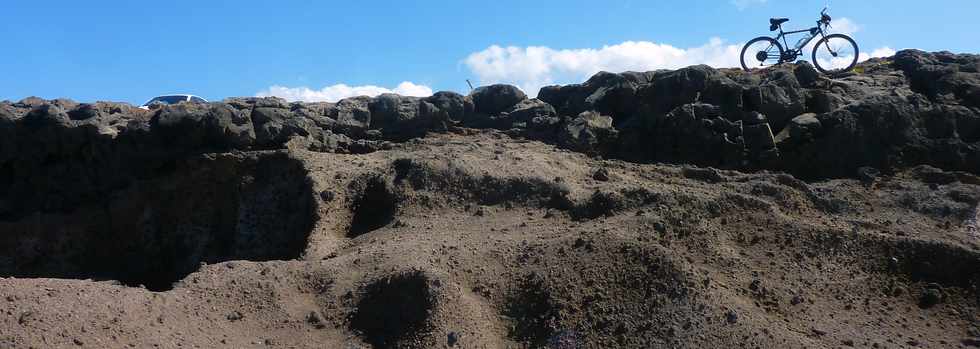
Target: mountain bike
pixel 833 53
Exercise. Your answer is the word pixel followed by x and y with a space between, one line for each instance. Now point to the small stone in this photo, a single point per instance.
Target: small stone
pixel 452 338
pixel 848 342
pixel 731 316
pixel 930 297
pixel 327 195
pixel 971 342
pixel 235 316
pixel 601 174
pixel 819 332
pixel 316 320
pixel 797 300
pixel 24 317
pixel 78 341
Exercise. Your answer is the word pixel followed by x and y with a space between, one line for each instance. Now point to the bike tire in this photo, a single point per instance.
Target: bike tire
pixel 774 42
pixel 822 43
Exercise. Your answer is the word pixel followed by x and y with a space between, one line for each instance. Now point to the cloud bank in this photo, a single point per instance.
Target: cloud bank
pixel 340 91
pixel 532 67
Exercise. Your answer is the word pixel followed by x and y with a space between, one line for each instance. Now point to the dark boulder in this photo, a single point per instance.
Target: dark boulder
pixel 455 105
pixel 47 115
pixel 401 118
pixel 607 93
pixel 85 111
pixel 229 127
pixel 801 129
pixel 31 102
pixel 519 116
pixel 696 133
pixel 180 125
pixel 352 114
pixel 495 99
pixel 275 126
pixel 213 126
pixel 780 97
pixel 942 76
pixel 527 110
pixel 806 74
pixel 589 133
pixel 696 84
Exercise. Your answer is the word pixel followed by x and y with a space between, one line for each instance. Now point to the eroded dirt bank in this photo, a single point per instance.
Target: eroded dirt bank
pixel 456 241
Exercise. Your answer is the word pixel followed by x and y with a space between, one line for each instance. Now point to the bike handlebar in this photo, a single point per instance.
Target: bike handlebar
pixel 824 17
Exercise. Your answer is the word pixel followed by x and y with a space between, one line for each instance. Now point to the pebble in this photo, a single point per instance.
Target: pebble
pixel 24 317
pixel 731 317
pixel 601 175
pixel 452 338
pixel 930 297
pixel 316 320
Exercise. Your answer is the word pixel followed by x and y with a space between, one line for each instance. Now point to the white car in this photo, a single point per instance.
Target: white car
pixel 173 99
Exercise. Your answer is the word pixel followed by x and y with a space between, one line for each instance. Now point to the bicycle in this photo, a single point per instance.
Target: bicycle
pixel 833 53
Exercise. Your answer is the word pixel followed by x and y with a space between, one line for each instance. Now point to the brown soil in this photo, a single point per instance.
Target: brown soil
pixel 478 240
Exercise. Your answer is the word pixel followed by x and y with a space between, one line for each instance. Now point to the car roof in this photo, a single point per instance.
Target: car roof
pixel 177 95
pixel 186 96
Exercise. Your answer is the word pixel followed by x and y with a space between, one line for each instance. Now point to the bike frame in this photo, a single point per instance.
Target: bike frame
pixel 792 54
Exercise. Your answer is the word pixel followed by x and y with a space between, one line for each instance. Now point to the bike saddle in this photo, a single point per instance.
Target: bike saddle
pixel 775 22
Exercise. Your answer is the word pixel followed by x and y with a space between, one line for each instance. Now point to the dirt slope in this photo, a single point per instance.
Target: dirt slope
pixel 474 239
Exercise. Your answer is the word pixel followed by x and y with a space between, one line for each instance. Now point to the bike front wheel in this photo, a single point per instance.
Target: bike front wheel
pixel 761 52
pixel 835 53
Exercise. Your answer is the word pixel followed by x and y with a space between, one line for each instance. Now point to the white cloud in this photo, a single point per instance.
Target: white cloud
pixel 533 67
pixel 742 4
pixel 877 53
pixel 340 91
pixel 844 25
pixel 883 52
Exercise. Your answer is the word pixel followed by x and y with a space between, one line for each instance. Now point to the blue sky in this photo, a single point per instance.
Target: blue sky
pixel 130 51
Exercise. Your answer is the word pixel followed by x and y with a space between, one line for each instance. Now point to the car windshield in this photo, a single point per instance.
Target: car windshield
pixel 167 100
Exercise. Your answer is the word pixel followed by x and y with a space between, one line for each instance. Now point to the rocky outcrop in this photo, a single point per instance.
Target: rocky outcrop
pixel 915 108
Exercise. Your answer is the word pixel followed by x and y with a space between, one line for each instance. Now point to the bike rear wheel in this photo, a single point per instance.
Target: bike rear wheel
pixel 761 52
pixel 835 53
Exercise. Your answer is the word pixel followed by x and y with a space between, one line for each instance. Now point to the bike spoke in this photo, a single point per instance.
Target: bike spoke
pixel 834 54
pixel 761 54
